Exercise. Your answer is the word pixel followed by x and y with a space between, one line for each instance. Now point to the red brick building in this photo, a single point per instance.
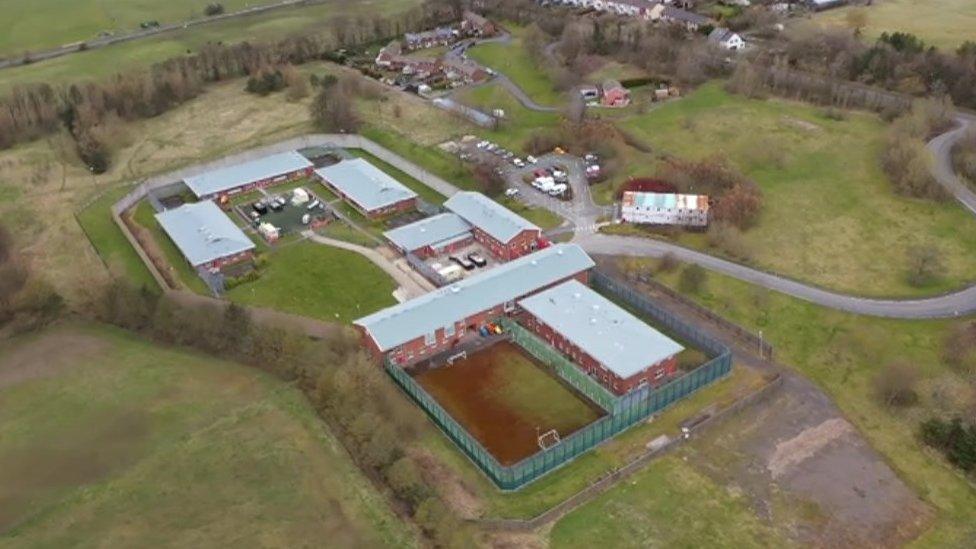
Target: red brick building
pixel 440 234
pixel 205 235
pixel 245 176
pixel 504 233
pixel 605 341
pixel 440 320
pixel 367 188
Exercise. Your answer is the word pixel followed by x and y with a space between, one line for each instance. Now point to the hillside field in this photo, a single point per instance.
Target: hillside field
pixel 109 440
pixel 941 23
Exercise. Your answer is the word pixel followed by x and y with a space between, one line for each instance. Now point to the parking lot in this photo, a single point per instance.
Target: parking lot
pixel 275 215
pixel 444 265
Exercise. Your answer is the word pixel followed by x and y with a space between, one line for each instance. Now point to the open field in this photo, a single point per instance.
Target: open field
pixel 941 23
pixel 505 399
pixel 104 62
pixel 519 122
pixel 512 60
pixel 27 27
pixel 829 216
pixel 105 437
pixel 318 281
pixel 667 504
pixel 843 354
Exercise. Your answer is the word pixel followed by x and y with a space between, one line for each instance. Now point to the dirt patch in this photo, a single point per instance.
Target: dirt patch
pixel 460 497
pixel 47 356
pixel 803 446
pixel 801 124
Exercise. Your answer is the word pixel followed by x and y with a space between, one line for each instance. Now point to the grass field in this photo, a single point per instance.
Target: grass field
pixel 829 216
pixel 513 61
pixel 111 245
pixel 27 27
pixel 320 282
pixel 667 504
pixel 108 439
pixel 103 62
pixel 519 122
pixel 941 23
pixel 504 399
pixel 843 353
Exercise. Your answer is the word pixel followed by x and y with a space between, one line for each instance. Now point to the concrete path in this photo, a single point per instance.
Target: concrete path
pixel 410 285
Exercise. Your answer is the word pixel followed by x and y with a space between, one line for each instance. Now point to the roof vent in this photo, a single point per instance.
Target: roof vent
pixel 455 289
pixel 559 251
pixel 592 320
pixel 534 262
pixel 577 295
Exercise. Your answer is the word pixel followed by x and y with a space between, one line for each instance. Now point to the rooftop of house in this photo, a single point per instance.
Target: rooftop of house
pixel 203 233
pixel 223 179
pixel 365 184
pixel 618 340
pixel 491 217
pixel 441 308
pixel 427 232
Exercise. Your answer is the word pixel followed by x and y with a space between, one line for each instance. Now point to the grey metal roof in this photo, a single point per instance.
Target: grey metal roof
pixel 489 216
pixel 223 179
pixel 617 339
pixel 365 184
pixel 415 318
pixel 203 232
pixel 441 227
pixel 720 34
pixel 678 14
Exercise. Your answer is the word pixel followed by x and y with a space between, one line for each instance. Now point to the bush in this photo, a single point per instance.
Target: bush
pixel 895 385
pixel 925 266
pixel 954 439
pixel 959 348
pixel 265 82
pixel 214 8
pixel 729 239
pixel 692 279
pixel 669 263
pixel 232 282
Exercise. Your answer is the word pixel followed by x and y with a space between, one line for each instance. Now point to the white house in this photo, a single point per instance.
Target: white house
pixel 726 38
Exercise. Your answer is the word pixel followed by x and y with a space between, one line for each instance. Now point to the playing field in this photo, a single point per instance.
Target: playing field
pixel 941 23
pixel 504 398
pixel 109 440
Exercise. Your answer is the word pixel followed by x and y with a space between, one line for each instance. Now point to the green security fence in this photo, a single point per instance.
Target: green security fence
pixel 565 369
pixel 626 411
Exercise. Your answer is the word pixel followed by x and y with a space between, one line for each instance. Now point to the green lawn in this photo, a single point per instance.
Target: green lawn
pixel 104 62
pixel 667 504
pixel 318 281
pixel 542 217
pixel 843 353
pixel 119 442
pixel 145 216
pixel 444 165
pixel 513 61
pixel 941 23
pixel 110 243
pixel 519 122
pixel 830 216
pixel 340 230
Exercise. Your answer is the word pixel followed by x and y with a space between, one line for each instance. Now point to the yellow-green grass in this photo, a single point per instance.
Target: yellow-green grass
pixel 100 63
pixel 29 26
pixel 542 217
pixel 340 230
pixel 667 504
pixel 442 164
pixel 112 246
pixel 615 70
pixel 829 214
pixel 512 60
pixel 104 436
pixel 426 193
pixel 318 281
pixel 145 216
pixel 844 353
pixel 519 123
pixel 941 23
pixel 562 483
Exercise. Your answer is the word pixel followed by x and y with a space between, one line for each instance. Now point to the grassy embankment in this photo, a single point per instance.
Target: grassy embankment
pixel 104 436
pixel 829 217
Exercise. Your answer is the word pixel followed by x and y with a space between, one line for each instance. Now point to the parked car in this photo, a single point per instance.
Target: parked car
pixel 531 159
pixel 557 189
pixel 490 147
pixel 518 162
pixel 508 155
pixel 476 258
pixel 463 262
pixel 511 192
pixel 591 157
pixel 314 204
pixel 482 144
pixel 260 207
pixel 255 215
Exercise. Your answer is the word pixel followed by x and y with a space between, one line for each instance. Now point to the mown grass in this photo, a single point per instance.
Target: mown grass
pixel 318 281
pixel 519 123
pixel 512 60
pixel 109 242
pixel 667 504
pixel 941 23
pixel 829 215
pixel 104 436
pixel 844 354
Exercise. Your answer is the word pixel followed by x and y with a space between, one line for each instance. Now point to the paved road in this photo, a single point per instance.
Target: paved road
pixel 584 215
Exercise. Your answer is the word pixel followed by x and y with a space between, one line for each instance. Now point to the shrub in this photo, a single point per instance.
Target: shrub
pixel 214 8
pixel 925 266
pixel 729 239
pixel 954 439
pixel 669 263
pixel 895 385
pixel 692 279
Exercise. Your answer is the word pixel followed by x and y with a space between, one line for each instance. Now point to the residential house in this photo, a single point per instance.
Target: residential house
pixel 727 39
pixel 614 94
pixel 441 36
pixel 473 24
pixel 689 20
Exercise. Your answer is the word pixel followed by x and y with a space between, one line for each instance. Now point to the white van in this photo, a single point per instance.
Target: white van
pixel 452 273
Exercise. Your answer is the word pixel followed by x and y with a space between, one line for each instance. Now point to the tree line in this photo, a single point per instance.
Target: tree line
pixel 372 419
pixel 27 301
pixel 86 109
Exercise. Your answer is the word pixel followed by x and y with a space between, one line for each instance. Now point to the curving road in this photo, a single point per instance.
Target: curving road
pixel 584 214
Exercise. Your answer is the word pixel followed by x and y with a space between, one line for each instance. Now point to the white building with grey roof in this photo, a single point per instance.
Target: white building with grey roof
pixel 205 235
pixel 367 188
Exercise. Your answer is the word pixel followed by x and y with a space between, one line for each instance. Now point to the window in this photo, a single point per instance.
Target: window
pixel 430 339
pixel 449 330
